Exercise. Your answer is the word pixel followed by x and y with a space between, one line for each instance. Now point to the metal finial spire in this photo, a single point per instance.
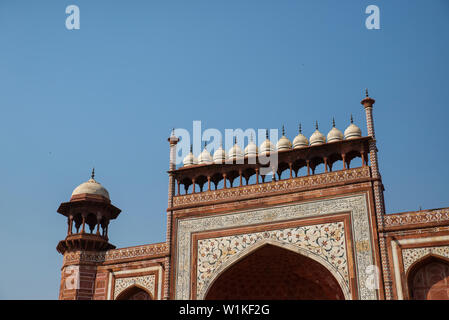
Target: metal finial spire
pixel 316 124
pixel 173 132
pixel 283 130
pixel 235 140
pixel 205 142
pixel 300 129
pixel 366 92
pixel 93 173
pixel 352 120
pixel 191 148
pixel 333 122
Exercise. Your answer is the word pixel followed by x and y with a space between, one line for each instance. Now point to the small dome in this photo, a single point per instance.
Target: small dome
pixel 190 159
pixel 219 155
pixel 283 143
pixel 251 148
pixel 352 131
pixel 334 134
pixel 235 152
pixel 91 187
pixel 317 137
pixel 205 157
pixel 266 146
pixel 300 140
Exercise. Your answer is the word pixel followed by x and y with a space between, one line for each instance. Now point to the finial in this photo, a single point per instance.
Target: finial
pixel 251 137
pixel 235 140
pixel 266 133
pixel 352 120
pixel 367 101
pixel 316 124
pixel 333 122
pixel 205 145
pixel 93 173
pixel 191 148
pixel 300 129
pixel 283 130
pixel 173 132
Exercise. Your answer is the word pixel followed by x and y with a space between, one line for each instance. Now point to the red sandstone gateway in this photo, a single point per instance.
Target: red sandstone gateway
pixel 316 235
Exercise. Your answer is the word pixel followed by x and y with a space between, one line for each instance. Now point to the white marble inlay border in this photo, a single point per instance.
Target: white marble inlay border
pixel 112 295
pixel 355 204
pixel 411 255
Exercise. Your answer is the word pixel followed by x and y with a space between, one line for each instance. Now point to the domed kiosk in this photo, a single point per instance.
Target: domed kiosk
pixel 89 208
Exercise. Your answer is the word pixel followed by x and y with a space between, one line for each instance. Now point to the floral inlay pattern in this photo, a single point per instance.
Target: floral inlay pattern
pixel 325 240
pixel 409 256
pixel 356 205
pixel 121 284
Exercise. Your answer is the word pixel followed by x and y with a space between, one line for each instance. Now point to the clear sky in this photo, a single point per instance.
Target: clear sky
pixel 108 94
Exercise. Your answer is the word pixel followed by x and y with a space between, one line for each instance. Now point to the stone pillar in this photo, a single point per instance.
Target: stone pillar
pixel 173 140
pixel 378 193
pixel 77 280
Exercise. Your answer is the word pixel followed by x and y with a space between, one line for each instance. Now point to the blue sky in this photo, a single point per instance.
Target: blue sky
pixel 107 96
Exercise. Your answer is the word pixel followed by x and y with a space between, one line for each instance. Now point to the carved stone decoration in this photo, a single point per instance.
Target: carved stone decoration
pixel 324 240
pixel 420 217
pixel 296 184
pixel 411 255
pixel 356 205
pixel 147 282
pixel 116 254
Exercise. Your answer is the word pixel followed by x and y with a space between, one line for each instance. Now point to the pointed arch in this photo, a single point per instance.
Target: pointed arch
pixel 339 279
pixel 135 292
pixel 428 278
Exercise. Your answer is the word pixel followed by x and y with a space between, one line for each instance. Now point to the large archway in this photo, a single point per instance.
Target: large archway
pixel 429 279
pixel 275 273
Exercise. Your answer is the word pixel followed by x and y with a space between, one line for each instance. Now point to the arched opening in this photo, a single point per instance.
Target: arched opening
pixel 134 293
pixel 275 273
pixel 428 279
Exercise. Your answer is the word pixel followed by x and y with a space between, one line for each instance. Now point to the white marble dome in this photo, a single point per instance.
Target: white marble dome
pixel 251 148
pixel 283 143
pixel 190 159
pixel 205 157
pixel 266 146
pixel 219 155
pixel 317 137
pixel 300 140
pixel 352 131
pixel 334 134
pixel 235 152
pixel 91 187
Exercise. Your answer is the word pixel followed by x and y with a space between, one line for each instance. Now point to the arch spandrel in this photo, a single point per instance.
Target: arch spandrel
pixel 355 206
pixel 341 279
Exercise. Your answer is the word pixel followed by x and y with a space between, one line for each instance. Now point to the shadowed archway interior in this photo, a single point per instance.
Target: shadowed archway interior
pixel 429 280
pixel 275 273
pixel 134 293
